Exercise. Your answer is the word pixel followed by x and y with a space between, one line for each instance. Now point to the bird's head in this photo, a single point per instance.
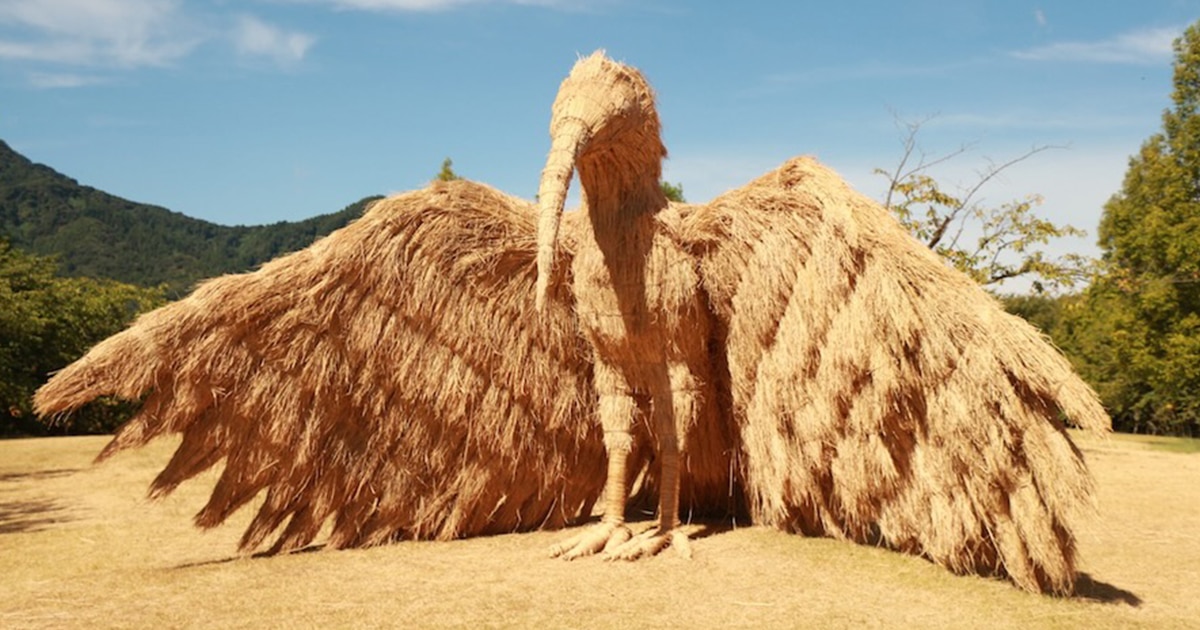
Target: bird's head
pixel 605 126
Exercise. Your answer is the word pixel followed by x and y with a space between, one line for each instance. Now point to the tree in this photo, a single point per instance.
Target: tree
pixel 674 192
pixel 447 173
pixel 1137 332
pixel 990 244
pixel 1041 310
pixel 47 322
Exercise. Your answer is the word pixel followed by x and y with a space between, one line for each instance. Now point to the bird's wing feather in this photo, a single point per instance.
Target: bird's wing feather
pixel 394 378
pixel 882 396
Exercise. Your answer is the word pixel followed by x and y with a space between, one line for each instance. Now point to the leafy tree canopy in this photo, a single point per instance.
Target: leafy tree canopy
pixel 1136 331
pixel 45 323
pixel 674 192
pixel 447 173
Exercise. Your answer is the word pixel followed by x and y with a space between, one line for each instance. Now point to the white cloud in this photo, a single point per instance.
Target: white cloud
pixel 56 37
pixel 862 72
pixel 130 34
pixel 398 5
pixel 1040 16
pixel 1033 119
pixel 441 5
pixel 1151 45
pixel 254 37
pixel 49 81
pixel 124 33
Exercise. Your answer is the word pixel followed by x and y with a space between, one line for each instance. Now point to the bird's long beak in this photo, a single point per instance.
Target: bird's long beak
pixel 569 138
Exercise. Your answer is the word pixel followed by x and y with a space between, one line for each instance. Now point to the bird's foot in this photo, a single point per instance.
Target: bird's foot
pixel 603 537
pixel 650 543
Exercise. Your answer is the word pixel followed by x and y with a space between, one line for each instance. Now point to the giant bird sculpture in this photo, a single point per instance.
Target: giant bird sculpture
pixel 458 362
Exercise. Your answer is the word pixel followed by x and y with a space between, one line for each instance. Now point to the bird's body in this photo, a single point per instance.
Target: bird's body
pixel 642 311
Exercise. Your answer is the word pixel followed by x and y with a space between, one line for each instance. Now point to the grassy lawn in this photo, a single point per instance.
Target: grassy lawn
pixel 1169 444
pixel 80 547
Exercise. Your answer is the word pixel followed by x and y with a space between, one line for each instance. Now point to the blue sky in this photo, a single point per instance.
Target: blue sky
pixel 256 111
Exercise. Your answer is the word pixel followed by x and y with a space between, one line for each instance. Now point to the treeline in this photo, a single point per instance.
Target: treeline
pixel 46 322
pixel 78 264
pixel 1134 333
pixel 95 234
pixel 1148 380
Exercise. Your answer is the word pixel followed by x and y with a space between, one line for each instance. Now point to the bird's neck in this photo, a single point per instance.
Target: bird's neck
pixel 621 203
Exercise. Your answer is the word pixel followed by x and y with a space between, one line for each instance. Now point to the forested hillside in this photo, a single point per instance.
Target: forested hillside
pixel 95 234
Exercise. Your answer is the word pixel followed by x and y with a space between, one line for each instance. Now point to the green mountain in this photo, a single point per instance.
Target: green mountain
pixel 95 234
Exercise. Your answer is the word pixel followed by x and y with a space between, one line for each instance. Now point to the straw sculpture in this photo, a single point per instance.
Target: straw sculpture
pixel 459 362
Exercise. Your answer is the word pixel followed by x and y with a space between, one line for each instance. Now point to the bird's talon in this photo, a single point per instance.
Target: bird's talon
pixel 599 538
pixel 651 543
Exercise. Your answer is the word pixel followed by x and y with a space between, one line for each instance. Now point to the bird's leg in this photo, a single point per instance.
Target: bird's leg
pixel 680 405
pixel 616 417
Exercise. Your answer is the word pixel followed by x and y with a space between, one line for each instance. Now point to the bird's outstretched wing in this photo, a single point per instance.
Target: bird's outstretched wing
pixel 393 378
pixel 882 396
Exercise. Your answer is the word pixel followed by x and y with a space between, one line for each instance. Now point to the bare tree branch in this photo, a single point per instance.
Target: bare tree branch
pixel 1010 234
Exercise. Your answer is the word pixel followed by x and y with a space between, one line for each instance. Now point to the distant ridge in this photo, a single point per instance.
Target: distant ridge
pixel 100 235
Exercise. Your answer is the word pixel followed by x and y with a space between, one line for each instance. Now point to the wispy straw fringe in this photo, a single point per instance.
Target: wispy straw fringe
pixel 883 397
pixel 393 378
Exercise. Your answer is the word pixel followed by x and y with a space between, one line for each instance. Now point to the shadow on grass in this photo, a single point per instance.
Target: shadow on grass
pixel 710 528
pixel 705 528
pixel 37 474
pixel 254 556
pixel 697 528
pixel 1091 589
pixel 31 516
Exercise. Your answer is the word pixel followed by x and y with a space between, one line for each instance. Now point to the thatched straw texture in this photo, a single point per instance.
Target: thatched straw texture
pixel 387 378
pixel 638 297
pixel 407 377
pixel 881 395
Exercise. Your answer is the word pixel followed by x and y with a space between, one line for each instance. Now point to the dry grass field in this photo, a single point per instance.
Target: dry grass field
pixel 81 547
